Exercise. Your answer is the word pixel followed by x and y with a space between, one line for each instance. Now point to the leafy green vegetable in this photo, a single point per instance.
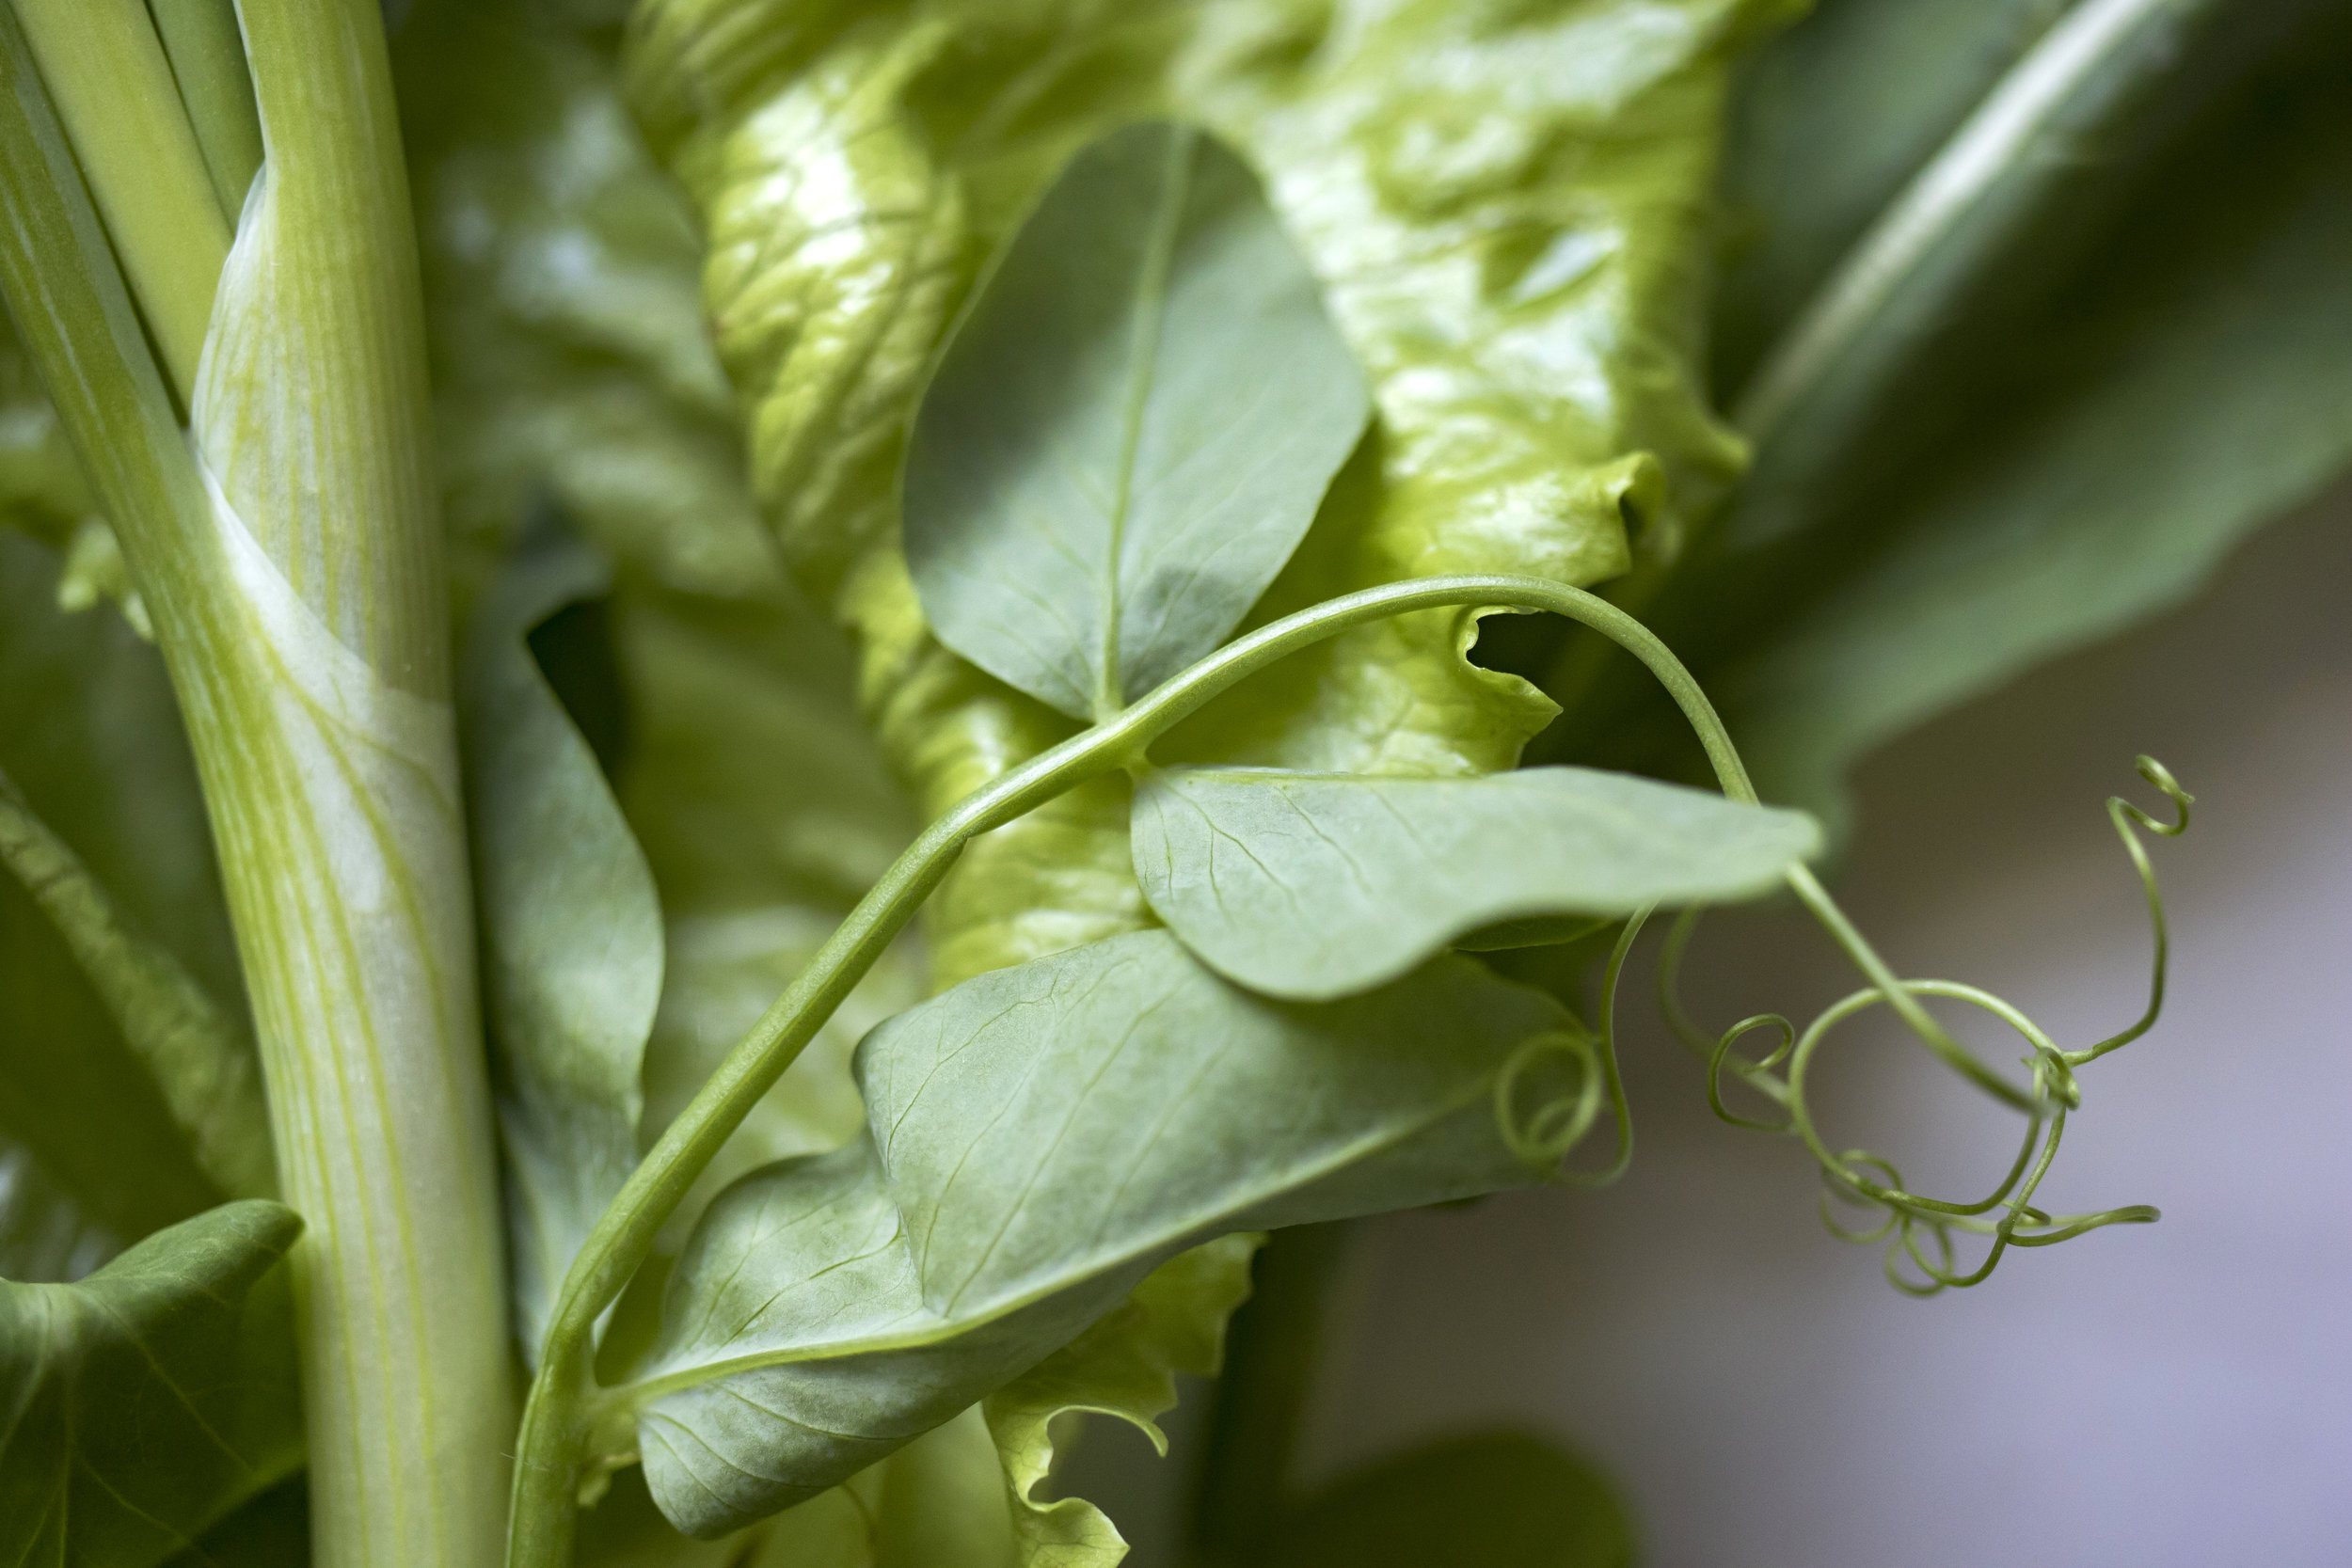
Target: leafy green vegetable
pixel 1041 1138
pixel 1519 288
pixel 1139 507
pixel 1123 1365
pixel 147 1402
pixel 571 931
pixel 1317 885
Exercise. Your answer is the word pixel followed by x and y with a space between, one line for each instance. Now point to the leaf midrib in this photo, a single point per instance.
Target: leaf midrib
pixel 1150 290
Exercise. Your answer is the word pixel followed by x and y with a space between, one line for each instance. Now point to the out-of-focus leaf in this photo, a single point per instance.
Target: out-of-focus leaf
pixel 1317 885
pixel 1799 186
pixel 1502 1500
pixel 2131 356
pixel 1502 203
pixel 1040 1139
pixel 571 930
pixel 200 1060
pixel 272 1531
pixel 1125 1365
pixel 1130 429
pixel 147 1402
pixel 44 1235
pixel 2198 382
pixel 88 729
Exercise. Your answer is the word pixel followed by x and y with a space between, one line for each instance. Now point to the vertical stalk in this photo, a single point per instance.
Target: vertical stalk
pixel 291 565
pixel 113 91
pixel 208 61
pixel 1272 1352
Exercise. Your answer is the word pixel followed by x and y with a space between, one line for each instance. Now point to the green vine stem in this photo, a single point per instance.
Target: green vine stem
pixel 566 1407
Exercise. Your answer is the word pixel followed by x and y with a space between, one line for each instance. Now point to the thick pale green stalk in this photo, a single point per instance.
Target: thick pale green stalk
pixel 113 90
pixel 293 578
pixel 208 61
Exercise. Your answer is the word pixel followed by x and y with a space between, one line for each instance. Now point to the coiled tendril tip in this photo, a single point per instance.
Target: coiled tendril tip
pixel 1918 1229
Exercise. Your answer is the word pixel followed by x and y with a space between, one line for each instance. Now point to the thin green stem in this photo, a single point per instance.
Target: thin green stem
pixel 208 62
pixel 114 93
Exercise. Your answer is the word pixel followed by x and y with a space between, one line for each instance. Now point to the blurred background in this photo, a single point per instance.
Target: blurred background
pixel 2146 1396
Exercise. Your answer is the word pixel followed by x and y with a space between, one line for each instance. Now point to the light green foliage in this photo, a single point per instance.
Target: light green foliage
pixel 1125 1365
pixel 1096 493
pixel 147 1402
pixel 1316 885
pixel 571 930
pixel 1504 1500
pixel 1507 246
pixel 1041 1138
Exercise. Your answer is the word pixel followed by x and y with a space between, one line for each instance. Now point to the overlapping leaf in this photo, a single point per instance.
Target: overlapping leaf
pixel 1040 1139
pixel 1316 885
pixel 143 1403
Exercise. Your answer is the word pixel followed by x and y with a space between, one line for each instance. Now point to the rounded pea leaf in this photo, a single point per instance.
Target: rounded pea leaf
pixel 1130 428
pixel 1319 885
pixel 1040 1139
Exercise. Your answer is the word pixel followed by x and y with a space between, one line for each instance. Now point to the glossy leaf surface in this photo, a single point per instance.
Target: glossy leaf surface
pixel 1317 885
pixel 1129 431
pixel 147 1402
pixel 1040 1139
pixel 571 930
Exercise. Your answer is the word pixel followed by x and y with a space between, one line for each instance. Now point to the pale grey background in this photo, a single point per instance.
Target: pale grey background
pixel 2155 1395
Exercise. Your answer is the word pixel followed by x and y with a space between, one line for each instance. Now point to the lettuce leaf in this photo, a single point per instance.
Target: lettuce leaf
pixel 1518 283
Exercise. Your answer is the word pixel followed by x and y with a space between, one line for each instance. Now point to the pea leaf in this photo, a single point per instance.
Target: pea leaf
pixel 1493 1500
pixel 571 930
pixel 1125 1365
pixel 143 1403
pixel 1130 428
pixel 1317 885
pixel 1040 1139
